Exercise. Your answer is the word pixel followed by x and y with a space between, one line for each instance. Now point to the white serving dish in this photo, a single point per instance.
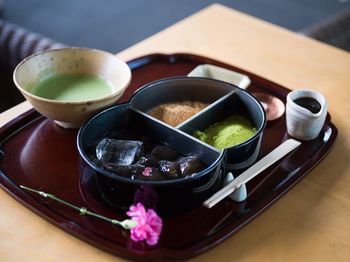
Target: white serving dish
pixel 223 74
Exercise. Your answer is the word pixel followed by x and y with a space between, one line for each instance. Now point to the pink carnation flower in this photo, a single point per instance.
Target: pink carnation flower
pixel 149 224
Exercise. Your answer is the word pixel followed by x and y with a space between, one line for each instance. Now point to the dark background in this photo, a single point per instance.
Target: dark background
pixel 114 25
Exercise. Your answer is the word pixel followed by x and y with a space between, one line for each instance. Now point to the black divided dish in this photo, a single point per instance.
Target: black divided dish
pixel 130 121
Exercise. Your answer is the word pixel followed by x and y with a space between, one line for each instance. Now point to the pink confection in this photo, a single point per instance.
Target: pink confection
pixel 147 171
pixel 149 224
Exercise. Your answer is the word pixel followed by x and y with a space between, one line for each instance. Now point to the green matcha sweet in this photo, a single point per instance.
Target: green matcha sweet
pixel 229 132
pixel 73 88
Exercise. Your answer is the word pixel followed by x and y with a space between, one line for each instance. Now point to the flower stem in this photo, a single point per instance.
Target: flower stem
pixel 126 224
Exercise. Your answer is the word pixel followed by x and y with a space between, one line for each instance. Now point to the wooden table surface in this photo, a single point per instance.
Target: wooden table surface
pixel 311 222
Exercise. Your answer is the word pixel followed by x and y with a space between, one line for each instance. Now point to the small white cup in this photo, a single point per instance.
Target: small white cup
pixel 301 122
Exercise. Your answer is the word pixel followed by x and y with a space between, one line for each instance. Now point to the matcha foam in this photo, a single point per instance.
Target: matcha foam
pixel 229 132
pixel 73 87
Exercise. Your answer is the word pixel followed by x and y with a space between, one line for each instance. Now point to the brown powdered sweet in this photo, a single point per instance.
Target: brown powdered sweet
pixel 176 113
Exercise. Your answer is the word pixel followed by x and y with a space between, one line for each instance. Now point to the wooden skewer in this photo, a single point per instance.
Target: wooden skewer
pixel 275 155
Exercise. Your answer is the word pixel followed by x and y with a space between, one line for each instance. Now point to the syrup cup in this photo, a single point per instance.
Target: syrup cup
pixel 301 122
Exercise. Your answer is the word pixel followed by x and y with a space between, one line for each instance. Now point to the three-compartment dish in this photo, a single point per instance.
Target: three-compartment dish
pixel 168 183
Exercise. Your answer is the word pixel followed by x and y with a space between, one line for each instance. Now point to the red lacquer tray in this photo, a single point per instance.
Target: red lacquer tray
pixel 41 155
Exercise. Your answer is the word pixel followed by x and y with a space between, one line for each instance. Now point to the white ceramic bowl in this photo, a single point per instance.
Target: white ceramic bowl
pixel 42 65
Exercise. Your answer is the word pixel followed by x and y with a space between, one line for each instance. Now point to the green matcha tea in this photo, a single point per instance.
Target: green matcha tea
pixel 229 132
pixel 73 88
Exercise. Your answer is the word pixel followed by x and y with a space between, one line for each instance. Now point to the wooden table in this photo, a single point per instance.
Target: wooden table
pixel 312 222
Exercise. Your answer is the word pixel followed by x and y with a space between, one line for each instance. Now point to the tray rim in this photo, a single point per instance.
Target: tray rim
pixel 6 184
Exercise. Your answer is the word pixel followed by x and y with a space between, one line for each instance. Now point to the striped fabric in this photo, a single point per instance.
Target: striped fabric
pixel 17 43
pixel 334 31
